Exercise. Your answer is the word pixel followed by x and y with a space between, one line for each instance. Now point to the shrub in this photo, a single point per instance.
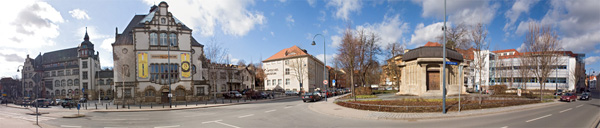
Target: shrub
pixel 499 89
pixel 363 90
pixel 375 92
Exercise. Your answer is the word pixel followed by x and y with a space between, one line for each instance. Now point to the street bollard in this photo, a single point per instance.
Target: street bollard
pixel 163 105
pixel 140 105
pixel 127 105
pixel 206 102
pixel 96 106
pixel 238 100
pixel 106 106
pixel 117 106
pixel 186 103
pixel 86 107
pixel 197 103
pixel 175 104
pixel 222 101
pixel 150 105
pixel 229 100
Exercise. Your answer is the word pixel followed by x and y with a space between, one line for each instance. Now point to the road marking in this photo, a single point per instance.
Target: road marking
pixel 245 116
pixel 140 119
pixel 579 106
pixel 115 127
pixel 211 121
pixel 504 127
pixel 69 126
pixel 565 110
pixel 168 126
pixel 134 115
pixel 227 124
pixel 288 107
pixel 539 118
pixel 270 111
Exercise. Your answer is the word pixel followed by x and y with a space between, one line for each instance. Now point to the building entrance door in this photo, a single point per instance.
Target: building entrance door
pixel 433 80
pixel 164 97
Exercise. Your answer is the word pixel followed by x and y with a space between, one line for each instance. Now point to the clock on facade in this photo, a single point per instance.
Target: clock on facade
pixel 124 51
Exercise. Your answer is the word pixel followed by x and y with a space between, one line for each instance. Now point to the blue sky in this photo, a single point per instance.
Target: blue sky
pixel 252 30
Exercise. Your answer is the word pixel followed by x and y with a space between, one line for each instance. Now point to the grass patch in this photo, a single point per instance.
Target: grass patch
pixel 365 96
pixel 375 92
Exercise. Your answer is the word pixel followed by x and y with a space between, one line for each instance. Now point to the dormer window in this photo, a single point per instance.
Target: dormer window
pixel 163 20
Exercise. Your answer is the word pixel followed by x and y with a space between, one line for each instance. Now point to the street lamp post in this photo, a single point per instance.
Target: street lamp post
pixel 169 71
pixel 444 64
pixel 324 61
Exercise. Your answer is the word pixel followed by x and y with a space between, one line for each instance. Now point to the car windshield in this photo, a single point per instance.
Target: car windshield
pixel 567 94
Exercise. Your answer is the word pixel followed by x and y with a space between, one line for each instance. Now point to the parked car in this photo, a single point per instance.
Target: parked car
pixel 55 102
pixel 314 96
pixel 82 100
pixel 568 97
pixel 41 103
pixel 68 103
pixel 232 94
pixel 558 92
pixel 585 96
pixel 290 92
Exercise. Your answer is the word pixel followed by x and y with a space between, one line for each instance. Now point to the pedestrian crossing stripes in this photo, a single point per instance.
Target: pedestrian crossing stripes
pixel 24 116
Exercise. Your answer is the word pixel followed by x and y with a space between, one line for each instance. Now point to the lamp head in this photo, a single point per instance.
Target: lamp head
pixel 313 43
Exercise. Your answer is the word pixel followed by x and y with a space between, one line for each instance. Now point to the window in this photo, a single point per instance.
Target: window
pixel 85 75
pixel 562 67
pixel 128 92
pixel 76 82
pixel 109 82
pixel 57 92
pixel 150 92
pixel 70 92
pixel 268 82
pixel 31 84
pixel 287 71
pixel 163 39
pixel 76 91
pixel 63 83
pixel 69 82
pixel 63 92
pixel 75 71
pixel 173 39
pixel 160 73
pixel 287 81
pixel 199 91
pixel 56 83
pixel 60 73
pixel 180 92
pixel 84 64
pixel 54 73
pixel 100 82
pixel 67 72
pixel 153 39
pixel 85 85
pixel 193 69
pixel 279 82
pixel 163 20
pixel 532 80
pixel 101 93
pixel 287 62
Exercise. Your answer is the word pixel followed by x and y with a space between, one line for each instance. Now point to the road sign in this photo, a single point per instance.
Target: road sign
pixel 83 90
pixel 451 63
pixel 170 95
pixel 333 81
pixel 325 82
pixel 78 106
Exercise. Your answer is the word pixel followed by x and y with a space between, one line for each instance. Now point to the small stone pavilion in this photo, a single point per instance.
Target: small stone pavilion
pixel 422 72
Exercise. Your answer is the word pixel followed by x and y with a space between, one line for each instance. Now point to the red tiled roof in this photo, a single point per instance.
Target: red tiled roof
pixel 288 52
pixel 432 44
pixel 505 50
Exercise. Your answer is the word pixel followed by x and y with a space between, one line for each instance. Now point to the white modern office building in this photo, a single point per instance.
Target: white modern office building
pixel 502 67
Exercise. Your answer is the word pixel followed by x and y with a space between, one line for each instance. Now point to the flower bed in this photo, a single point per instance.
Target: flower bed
pixel 420 105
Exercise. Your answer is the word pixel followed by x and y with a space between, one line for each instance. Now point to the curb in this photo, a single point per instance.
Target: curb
pixel 193 107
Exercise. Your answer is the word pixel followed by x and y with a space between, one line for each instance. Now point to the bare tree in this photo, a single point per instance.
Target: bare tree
pixel 298 65
pixel 524 70
pixel 478 36
pixel 241 63
pixel 393 49
pixel 347 58
pixel 457 37
pixel 542 44
pixel 215 52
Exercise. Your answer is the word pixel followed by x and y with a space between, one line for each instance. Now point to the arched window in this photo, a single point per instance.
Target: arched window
pixel 76 82
pixel 180 92
pixel 76 91
pixel 57 83
pixel 57 92
pixel 31 84
pixel 101 93
pixel 163 39
pixel 63 83
pixel 153 39
pixel 70 82
pixel 109 81
pixel 70 91
pixel 149 92
pixel 173 39
pixel 63 92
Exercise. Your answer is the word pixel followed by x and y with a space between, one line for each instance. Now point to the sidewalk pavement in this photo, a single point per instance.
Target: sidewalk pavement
pixel 17 123
pixel 330 108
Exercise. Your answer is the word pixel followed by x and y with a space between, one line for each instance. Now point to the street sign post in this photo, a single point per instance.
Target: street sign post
pixel 325 82
pixel 333 82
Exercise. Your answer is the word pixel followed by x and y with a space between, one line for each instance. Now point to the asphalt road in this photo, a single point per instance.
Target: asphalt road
pixel 295 113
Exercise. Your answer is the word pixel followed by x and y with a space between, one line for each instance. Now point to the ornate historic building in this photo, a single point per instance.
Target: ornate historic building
pixel 156 49
pixel 65 73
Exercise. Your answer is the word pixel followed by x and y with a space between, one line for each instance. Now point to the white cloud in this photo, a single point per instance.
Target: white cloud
pixel 290 20
pixel 330 58
pixel 390 29
pixel 233 17
pixel 522 47
pixel 79 14
pixel 582 43
pixel 27 25
pixel 424 34
pixel 272 34
pixel 469 12
pixel 520 6
pixel 312 3
pixel 345 8
pixel 336 41
pixel 323 16
pixel 591 60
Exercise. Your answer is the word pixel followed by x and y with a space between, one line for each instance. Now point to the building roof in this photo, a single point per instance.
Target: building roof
pixel 293 51
pixel 433 44
pixel 431 52
pixel 505 50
